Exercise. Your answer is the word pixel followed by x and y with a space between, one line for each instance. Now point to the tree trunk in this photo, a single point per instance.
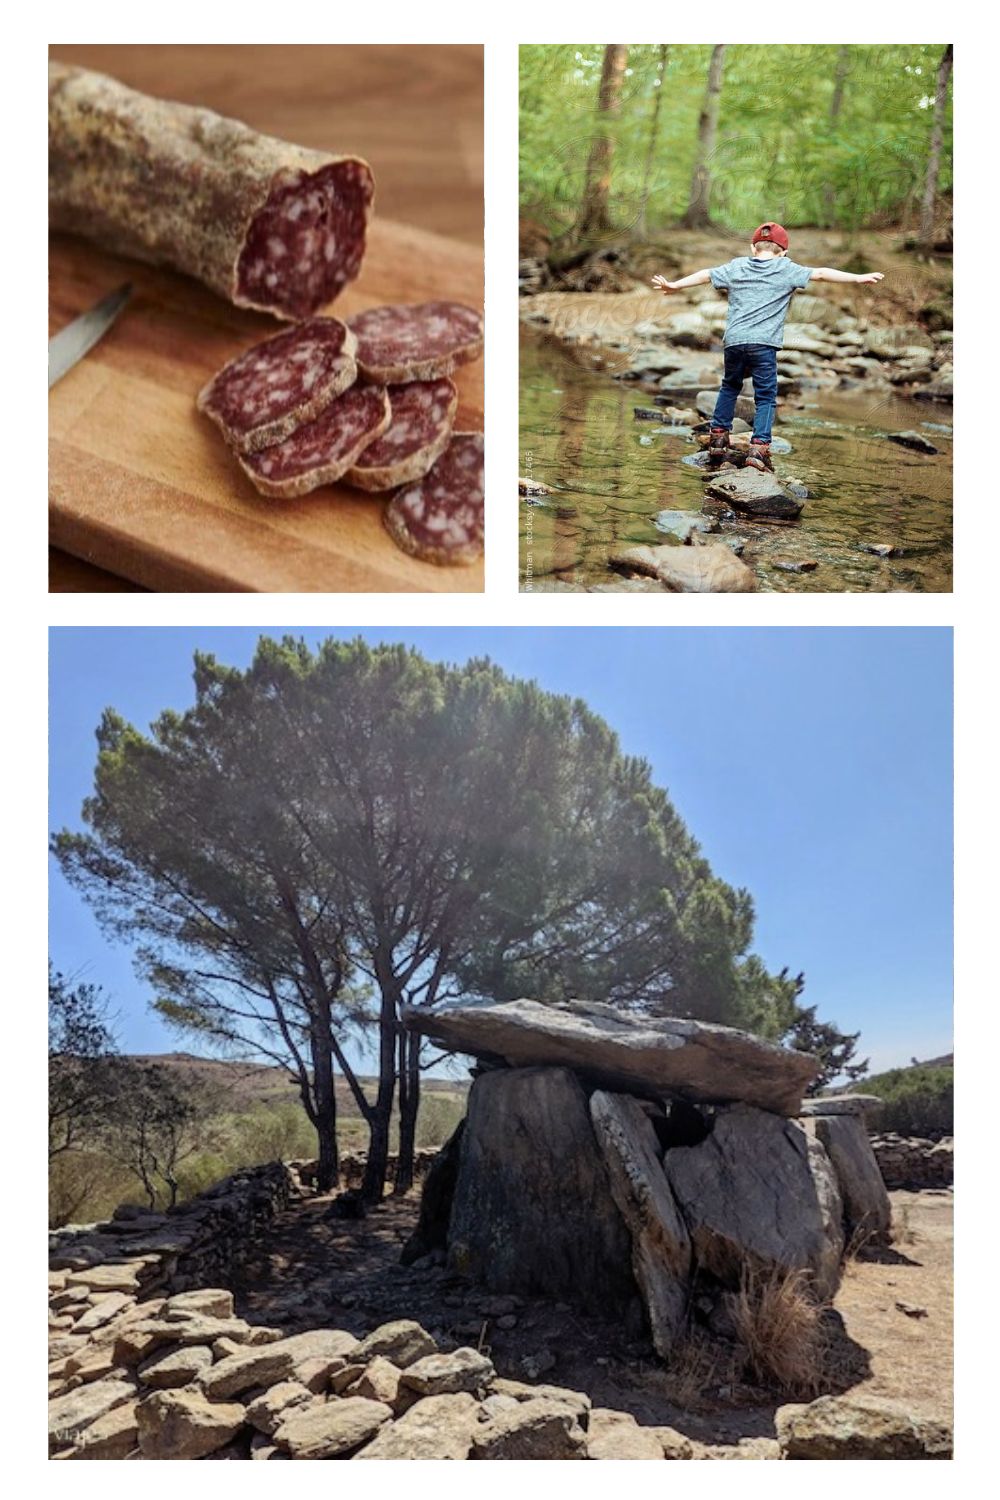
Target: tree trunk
pixel 654 132
pixel 373 1185
pixel 836 105
pixel 934 156
pixel 324 1104
pixel 593 217
pixel 697 215
pixel 409 1105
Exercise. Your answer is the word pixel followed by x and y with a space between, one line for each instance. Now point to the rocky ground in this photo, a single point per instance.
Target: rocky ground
pixel 348 1275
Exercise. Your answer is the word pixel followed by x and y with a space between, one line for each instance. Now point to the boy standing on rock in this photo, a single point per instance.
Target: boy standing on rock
pixel 760 287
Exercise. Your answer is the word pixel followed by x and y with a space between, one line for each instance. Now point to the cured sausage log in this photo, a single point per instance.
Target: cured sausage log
pixel 440 518
pixel 263 395
pixel 420 342
pixel 323 450
pixel 423 414
pixel 265 224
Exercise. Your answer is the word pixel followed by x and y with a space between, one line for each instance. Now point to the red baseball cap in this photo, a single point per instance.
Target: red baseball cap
pixel 773 232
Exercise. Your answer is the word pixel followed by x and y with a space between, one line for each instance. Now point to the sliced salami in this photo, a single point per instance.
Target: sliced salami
pixel 263 223
pixel 323 450
pixel 419 342
pixel 423 414
pixel 265 394
pixel 440 518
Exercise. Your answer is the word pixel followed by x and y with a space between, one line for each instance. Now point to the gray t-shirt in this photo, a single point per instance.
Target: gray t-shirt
pixel 759 294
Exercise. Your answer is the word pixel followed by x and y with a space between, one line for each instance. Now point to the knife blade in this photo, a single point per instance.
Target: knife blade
pixel 71 343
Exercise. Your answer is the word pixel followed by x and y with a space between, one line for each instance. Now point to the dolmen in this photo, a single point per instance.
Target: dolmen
pixel 608 1159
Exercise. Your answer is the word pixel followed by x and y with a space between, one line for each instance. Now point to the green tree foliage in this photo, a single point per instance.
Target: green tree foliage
pixel 327 837
pixel 919 1100
pixel 154 1127
pixel 81 1049
pixel 782 149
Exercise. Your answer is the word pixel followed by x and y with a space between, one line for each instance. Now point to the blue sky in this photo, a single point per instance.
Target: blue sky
pixel 813 766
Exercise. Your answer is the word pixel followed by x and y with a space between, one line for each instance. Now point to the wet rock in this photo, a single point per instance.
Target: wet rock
pixel 712 569
pixel 661 1246
pixel 941 388
pixel 759 1190
pixel 694 1059
pixel 647 414
pixel 617 1435
pixel 437 1427
pixel 331 1428
pixel 881 549
pixel 532 1211
pixel 538 1429
pixel 859 1427
pixel 752 493
pixel 403 1342
pixel 445 1374
pixel 807 338
pixel 914 440
pixel 183 1424
pixel 867 1210
pixel 683 523
pixel 658 361
pixel 794 564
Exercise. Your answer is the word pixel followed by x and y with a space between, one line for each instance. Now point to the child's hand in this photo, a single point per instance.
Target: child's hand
pixel 663 285
pixel 871 277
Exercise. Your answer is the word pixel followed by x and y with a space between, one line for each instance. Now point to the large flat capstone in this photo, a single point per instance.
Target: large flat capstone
pixel 654 1055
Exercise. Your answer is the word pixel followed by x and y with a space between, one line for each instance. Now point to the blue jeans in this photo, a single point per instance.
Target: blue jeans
pixel 760 362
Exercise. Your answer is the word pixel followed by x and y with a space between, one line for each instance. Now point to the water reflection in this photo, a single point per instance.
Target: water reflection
pixel 609 485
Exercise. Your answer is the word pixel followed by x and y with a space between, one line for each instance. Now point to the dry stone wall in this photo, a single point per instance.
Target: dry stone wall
pixel 911 1162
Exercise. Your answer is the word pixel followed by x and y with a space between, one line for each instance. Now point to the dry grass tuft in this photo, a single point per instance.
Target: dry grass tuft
pixel 903 1232
pixel 782 1330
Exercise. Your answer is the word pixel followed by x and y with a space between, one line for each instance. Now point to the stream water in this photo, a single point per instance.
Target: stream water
pixel 612 475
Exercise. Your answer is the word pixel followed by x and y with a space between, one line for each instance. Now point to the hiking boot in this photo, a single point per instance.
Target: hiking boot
pixel 718 445
pixel 759 456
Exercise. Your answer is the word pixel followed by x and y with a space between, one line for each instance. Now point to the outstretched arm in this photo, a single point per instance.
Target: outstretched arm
pixel 826 273
pixel 697 278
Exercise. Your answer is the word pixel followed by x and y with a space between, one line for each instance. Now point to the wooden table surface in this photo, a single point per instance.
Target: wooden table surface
pixel 416 113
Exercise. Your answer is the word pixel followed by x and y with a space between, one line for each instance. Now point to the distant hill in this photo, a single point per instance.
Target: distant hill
pixel 236 1085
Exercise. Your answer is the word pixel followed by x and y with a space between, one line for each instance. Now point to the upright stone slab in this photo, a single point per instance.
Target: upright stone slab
pixel 533 1210
pixel 867 1210
pixel 759 1191
pixel 661 1246
pixel 629 1054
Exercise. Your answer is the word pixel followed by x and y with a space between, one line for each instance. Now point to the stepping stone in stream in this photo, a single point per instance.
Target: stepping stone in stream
pixel 752 493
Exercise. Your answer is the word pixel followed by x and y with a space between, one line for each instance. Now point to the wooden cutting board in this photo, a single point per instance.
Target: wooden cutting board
pixel 142 485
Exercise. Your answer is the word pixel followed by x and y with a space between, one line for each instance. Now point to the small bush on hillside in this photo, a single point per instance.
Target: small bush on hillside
pixel 916 1101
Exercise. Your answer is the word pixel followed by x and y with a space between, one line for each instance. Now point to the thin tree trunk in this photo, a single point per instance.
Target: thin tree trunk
pixel 697 215
pixel 934 156
pixel 373 1185
pixel 836 105
pixel 324 1105
pixel 593 217
pixel 654 132
pixel 409 1105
